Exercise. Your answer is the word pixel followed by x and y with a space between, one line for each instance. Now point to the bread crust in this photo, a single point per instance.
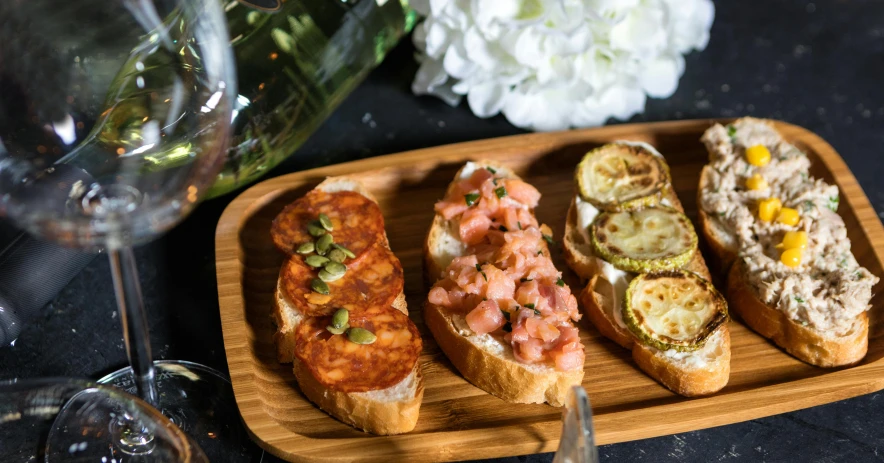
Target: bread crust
pixel 505 378
pixel 724 254
pixel 363 410
pixel 806 344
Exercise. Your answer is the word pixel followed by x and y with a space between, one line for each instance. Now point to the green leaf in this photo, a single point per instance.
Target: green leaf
pixel 549 240
pixel 833 203
pixel 560 282
pixel 489 169
pixel 500 192
pixel 731 131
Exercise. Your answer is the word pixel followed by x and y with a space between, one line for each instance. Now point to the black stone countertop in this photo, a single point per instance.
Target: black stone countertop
pixel 819 65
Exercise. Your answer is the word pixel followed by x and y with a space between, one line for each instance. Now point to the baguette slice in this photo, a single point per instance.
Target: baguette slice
pixel 393 410
pixel 812 346
pixel 481 359
pixel 692 374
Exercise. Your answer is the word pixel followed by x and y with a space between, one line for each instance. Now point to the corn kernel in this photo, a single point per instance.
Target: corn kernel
pixel 794 240
pixel 768 208
pixel 791 257
pixel 788 216
pixel 756 182
pixel 757 155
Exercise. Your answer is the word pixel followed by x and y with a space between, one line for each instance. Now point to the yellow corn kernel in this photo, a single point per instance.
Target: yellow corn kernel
pixel 756 182
pixel 768 208
pixel 791 257
pixel 794 240
pixel 757 155
pixel 788 216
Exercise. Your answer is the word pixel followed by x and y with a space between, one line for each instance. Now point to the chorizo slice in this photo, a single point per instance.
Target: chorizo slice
pixel 342 365
pixel 374 281
pixel 357 222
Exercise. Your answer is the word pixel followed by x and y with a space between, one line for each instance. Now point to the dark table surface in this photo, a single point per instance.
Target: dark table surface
pixel 816 64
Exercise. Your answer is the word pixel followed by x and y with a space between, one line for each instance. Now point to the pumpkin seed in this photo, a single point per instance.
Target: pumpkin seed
pixel 316 261
pixel 346 251
pixel 331 329
pixel 325 222
pixel 335 268
pixel 325 276
pixel 323 244
pixel 314 228
pixel 340 319
pixel 361 336
pixel 319 286
pixel 336 255
pixel 306 248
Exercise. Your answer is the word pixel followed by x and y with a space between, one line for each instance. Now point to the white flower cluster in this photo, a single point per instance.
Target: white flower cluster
pixel 553 64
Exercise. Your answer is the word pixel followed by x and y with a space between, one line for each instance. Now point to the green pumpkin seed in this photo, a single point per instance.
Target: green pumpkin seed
pixel 325 222
pixel 316 261
pixel 336 255
pixel 346 251
pixel 333 330
pixel 360 336
pixel 335 268
pixel 340 319
pixel 319 286
pixel 323 244
pixel 325 276
pixel 314 228
pixel 306 248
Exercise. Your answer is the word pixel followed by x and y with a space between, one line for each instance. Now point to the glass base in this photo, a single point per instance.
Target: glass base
pixel 200 401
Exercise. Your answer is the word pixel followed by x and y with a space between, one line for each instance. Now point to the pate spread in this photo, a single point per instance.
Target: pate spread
pixel 828 289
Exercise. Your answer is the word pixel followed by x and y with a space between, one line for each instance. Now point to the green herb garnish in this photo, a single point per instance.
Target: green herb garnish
pixel 731 132
pixel 505 314
pixel 833 203
pixel 471 198
pixel 507 328
pixel 536 312
pixel 519 224
pixel 479 269
pixel 489 169
pixel 799 299
pixel 525 280
pixel 503 229
pixel 500 192
pixel 549 240
pixel 560 282
pixel 530 306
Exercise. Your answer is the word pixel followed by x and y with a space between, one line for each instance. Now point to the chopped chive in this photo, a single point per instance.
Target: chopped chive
pixel 494 181
pixel 525 280
pixel 519 224
pixel 505 314
pixel 833 203
pixel 530 306
pixel 536 312
pixel 471 198
pixel 549 240
pixel 489 169
pixel 540 252
pixel 808 205
pixel 507 328
pixel 560 282
pixel 799 299
pixel 500 192
pixel 478 267
pixel 503 229
pixel 731 131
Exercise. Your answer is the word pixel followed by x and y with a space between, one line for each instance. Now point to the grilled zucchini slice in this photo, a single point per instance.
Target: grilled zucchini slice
pixel 618 177
pixel 673 310
pixel 646 240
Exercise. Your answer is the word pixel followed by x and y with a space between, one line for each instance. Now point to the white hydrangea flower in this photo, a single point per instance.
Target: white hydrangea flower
pixel 554 64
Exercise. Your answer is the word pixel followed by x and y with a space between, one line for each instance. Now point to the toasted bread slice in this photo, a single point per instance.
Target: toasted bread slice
pixel 481 359
pixel 690 374
pixel 825 349
pixel 393 410
pixel 722 243
pixel 695 373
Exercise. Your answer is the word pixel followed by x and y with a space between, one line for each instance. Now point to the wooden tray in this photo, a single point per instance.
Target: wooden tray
pixel 457 420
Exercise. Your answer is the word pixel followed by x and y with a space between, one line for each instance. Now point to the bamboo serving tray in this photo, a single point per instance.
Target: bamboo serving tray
pixel 459 421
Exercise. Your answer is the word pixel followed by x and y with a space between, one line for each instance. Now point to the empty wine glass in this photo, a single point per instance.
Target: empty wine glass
pixel 114 120
pixel 67 420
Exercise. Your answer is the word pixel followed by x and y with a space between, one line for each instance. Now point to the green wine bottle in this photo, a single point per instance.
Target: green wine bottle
pixel 296 61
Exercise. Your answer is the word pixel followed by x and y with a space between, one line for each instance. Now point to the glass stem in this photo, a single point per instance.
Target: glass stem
pixel 134 318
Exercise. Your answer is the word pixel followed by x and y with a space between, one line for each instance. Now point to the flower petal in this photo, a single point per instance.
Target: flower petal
pixel 486 99
pixel 660 77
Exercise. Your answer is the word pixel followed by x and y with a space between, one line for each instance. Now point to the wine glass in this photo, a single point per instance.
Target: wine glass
pixel 114 121
pixel 67 420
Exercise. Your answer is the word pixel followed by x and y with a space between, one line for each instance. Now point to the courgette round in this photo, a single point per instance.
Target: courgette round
pixel 645 240
pixel 618 177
